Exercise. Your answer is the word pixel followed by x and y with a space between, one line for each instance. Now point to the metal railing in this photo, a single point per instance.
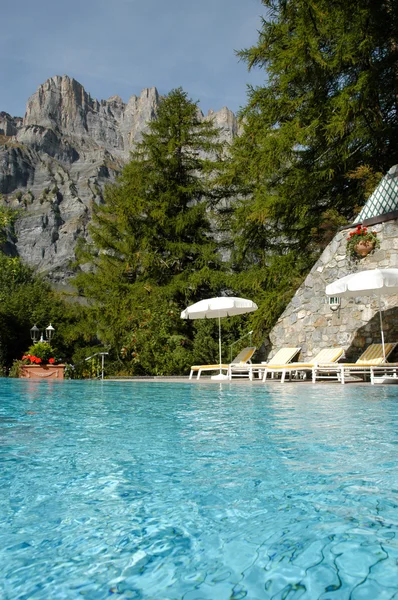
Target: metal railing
pixel 102 354
pixel 242 338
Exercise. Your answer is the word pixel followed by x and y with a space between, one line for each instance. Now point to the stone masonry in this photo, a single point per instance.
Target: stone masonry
pixel 310 323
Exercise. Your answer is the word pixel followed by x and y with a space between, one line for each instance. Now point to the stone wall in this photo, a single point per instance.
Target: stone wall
pixel 309 322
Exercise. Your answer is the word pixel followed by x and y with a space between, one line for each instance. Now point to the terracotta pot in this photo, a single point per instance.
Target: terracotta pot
pixel 42 371
pixel 363 248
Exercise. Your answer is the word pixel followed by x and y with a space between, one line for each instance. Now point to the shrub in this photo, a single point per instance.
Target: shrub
pixel 42 351
pixel 15 370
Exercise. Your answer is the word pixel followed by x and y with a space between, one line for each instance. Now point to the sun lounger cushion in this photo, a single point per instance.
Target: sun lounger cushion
pixel 283 356
pixel 327 355
pixel 374 354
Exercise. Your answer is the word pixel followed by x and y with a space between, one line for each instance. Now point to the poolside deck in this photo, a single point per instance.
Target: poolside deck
pixel 236 381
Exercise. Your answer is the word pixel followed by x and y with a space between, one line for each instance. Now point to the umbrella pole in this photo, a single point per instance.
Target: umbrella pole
pixel 219 342
pixel 381 329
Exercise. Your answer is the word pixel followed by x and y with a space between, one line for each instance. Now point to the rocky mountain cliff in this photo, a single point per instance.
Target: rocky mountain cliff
pixel 55 162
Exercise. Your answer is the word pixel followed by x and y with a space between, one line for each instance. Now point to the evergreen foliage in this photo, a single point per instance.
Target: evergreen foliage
pixel 317 135
pixel 8 216
pixel 329 107
pixel 26 299
pixel 153 250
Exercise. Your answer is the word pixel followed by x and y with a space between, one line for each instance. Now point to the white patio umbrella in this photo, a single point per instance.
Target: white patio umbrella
pixel 213 308
pixel 375 282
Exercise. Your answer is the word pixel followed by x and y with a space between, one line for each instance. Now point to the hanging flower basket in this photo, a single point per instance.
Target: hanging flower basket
pixel 364 248
pixel 361 242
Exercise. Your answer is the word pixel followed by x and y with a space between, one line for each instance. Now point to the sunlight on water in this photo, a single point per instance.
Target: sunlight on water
pixel 192 491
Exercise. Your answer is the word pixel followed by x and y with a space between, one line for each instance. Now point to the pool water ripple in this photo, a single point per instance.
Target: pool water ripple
pixel 179 491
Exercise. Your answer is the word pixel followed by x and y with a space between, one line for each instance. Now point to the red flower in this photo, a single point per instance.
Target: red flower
pixel 51 361
pixel 359 231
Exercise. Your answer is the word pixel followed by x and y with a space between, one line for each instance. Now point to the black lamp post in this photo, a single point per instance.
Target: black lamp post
pixel 35 333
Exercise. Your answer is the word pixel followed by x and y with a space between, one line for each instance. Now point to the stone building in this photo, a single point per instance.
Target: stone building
pixel 308 320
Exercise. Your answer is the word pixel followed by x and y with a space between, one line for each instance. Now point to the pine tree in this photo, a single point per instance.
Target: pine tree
pixel 327 113
pixel 329 107
pixel 152 239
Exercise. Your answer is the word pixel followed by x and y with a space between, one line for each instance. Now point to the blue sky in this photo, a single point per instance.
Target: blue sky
pixel 122 46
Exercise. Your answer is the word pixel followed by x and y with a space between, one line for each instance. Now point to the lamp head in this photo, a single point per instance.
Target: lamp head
pixel 49 332
pixel 34 333
pixel 334 303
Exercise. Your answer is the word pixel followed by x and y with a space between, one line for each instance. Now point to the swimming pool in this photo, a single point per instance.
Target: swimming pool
pixel 198 491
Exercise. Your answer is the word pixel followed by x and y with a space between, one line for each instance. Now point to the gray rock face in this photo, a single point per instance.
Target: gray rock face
pixel 55 162
pixel 62 106
pixel 8 124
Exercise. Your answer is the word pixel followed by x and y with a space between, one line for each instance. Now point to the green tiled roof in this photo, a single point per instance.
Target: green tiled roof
pixel 384 199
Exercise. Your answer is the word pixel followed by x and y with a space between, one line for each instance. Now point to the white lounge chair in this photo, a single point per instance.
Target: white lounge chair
pixel 327 356
pixel 242 358
pixel 283 356
pixel 370 363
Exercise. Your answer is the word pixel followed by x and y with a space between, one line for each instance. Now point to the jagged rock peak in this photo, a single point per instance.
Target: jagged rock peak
pixel 9 125
pixel 226 121
pixel 115 100
pixel 57 102
pixel 62 105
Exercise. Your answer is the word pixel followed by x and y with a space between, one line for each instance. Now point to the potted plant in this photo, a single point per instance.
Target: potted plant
pixel 361 242
pixel 40 362
pixel 40 353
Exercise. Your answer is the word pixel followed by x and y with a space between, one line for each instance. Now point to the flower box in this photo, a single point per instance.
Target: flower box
pixel 42 371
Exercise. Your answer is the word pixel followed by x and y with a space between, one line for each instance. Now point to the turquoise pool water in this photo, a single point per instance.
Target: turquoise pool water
pixel 179 491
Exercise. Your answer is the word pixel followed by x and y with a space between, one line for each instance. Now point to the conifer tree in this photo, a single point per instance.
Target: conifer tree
pixel 329 106
pixel 152 241
pixel 327 112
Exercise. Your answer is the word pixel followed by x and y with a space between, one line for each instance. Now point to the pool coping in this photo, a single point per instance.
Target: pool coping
pixel 241 381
